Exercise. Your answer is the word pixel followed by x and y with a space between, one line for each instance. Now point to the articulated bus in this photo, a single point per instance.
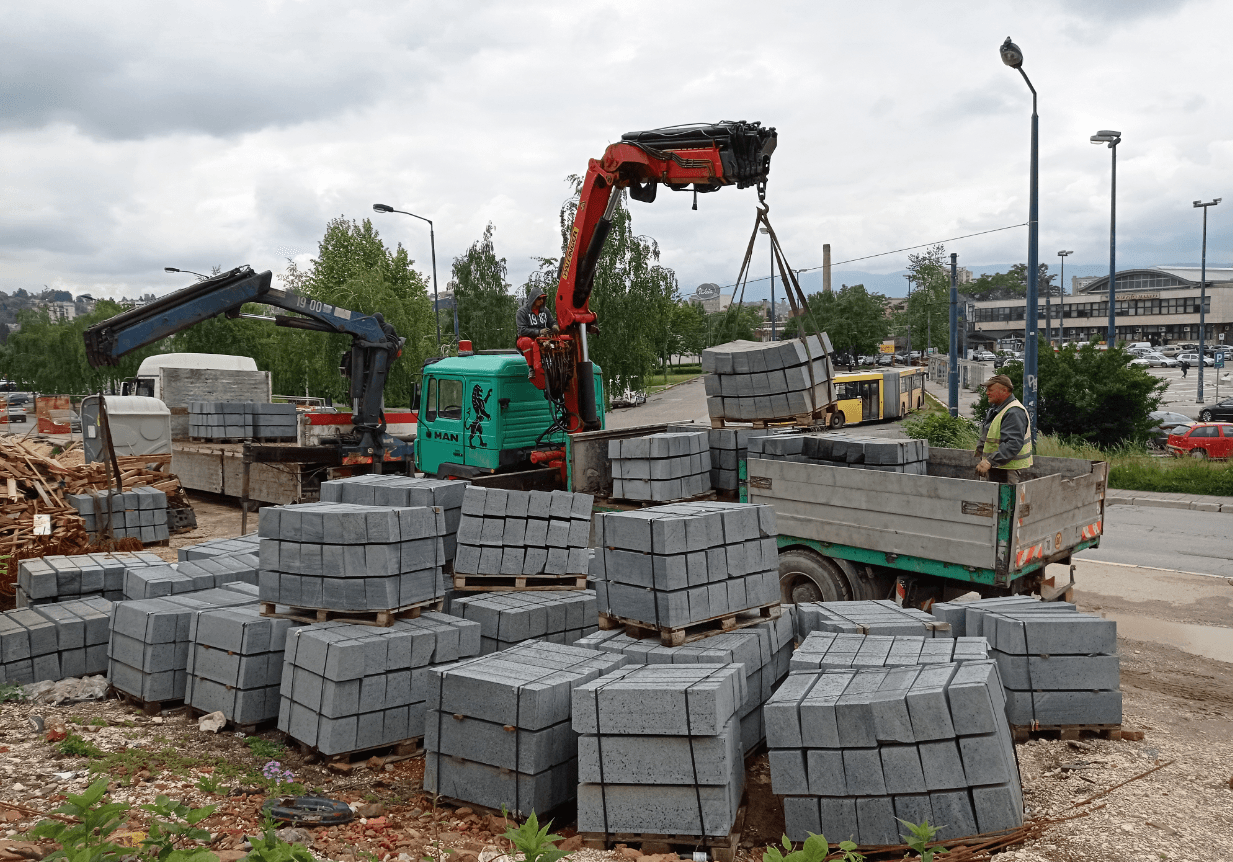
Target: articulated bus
pixel 872 396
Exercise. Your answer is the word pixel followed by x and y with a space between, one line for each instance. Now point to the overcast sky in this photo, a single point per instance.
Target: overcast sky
pixel 142 135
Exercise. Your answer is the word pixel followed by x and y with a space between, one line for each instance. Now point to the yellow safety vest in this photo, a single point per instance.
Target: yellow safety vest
pixel 994 439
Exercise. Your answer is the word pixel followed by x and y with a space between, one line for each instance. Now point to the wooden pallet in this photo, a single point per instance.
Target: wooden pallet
pixel 383 619
pixel 803 421
pixel 499 583
pixel 676 636
pixel 1024 732
pixel 262 440
pixel 391 752
pixel 247 729
pixel 149 707
pixel 620 504
pixel 722 849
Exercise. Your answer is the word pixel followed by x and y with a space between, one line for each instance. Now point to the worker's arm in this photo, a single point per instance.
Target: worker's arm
pixel 1014 429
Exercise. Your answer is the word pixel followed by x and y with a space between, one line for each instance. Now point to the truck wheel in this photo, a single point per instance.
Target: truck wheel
pixel 808 577
pixel 837 419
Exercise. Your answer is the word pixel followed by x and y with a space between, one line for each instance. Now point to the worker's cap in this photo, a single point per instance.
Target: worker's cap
pixel 999 378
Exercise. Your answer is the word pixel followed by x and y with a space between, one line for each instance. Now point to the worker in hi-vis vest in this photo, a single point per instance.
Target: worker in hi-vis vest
pixel 1005 445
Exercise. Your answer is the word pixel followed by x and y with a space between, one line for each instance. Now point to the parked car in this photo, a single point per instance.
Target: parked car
pixel 886 359
pixel 984 356
pixel 1167 423
pixel 1204 440
pixel 1170 350
pixel 1221 411
pixel 19 407
pixel 1158 360
pixel 1193 359
pixel 868 360
pixel 1140 345
pixel 1139 351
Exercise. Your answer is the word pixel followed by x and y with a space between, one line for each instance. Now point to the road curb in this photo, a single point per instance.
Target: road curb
pixel 1194 504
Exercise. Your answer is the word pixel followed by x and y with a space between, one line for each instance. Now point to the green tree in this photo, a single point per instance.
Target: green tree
pixel 854 319
pixel 1011 284
pixel 486 309
pixel 737 323
pixel 689 325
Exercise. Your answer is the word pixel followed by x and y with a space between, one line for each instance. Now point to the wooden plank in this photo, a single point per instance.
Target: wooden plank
pixel 522 583
pixel 381 619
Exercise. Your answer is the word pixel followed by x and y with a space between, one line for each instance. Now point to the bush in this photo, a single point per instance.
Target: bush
pixel 942 430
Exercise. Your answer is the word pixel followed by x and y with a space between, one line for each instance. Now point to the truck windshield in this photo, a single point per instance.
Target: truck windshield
pixel 145 386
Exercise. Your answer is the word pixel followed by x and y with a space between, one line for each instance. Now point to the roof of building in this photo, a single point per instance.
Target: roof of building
pixel 1157 277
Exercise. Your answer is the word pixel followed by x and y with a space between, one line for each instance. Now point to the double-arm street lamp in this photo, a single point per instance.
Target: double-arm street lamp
pixel 432 237
pixel 1203 298
pixel 1104 136
pixel 1061 310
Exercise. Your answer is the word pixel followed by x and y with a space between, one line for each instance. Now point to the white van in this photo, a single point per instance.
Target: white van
pixel 1140 345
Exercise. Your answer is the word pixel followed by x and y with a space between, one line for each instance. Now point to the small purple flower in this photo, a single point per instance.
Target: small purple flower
pixel 273 771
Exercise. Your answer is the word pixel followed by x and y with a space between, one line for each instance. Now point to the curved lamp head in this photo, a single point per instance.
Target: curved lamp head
pixel 383 208
pixel 1105 136
pixel 1011 55
pixel 1064 253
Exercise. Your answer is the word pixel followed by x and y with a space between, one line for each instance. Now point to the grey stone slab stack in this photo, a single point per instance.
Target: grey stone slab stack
pixel 41 580
pixel 855 751
pixel 840 449
pixel 508 618
pixel 221 570
pixel 728 449
pixel 661 467
pixel 675 565
pixel 149 643
pixel 498 731
pixel 275 421
pixel 241 420
pixel 876 617
pixel 54 641
pixel 958 614
pixel 506 534
pixel 139 513
pixel 221 548
pixel 755 380
pixel 830 651
pixel 659 750
pixel 345 557
pixel 350 688
pixel 764 650
pixel 403 492
pixel 235 663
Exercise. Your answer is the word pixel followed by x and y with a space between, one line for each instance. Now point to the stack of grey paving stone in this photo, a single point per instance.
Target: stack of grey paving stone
pixel 1058 666
pixel 149 645
pixel 508 618
pixel 661 467
pixel 876 617
pixel 41 580
pixel 221 548
pixel 756 380
pixel 54 641
pixel 498 731
pixel 675 565
pixel 764 649
pixel 830 651
pixel 506 534
pixel 659 750
pixel 845 450
pixel 855 751
pixel 344 557
pixel 138 513
pixel 235 663
pixel 403 492
pixel 350 688
pixel 236 420
pixel 728 449
pixel 157 581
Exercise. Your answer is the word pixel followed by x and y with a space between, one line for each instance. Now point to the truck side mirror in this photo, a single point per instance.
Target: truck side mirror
pixel 415 396
pixel 504 402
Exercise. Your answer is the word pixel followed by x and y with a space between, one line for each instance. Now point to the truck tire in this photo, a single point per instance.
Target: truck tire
pixel 805 576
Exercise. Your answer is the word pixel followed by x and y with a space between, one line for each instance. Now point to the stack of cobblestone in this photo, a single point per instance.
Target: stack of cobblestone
pixel 139 513
pixel 403 492
pixel 57 578
pixel 54 641
pixel 505 534
pixel 221 548
pixel 661 467
pixel 237 420
pixel 729 447
pixel 509 618
pixel 659 750
pixel 156 581
pixel 845 450
pixel 670 566
pixel 498 730
pixel 878 617
pixel 854 752
pixel 235 663
pixel 829 651
pixel 761 380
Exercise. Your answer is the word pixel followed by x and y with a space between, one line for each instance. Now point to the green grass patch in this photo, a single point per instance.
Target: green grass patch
pixel 127 762
pixel 658 382
pixel 265 749
pixel 76 746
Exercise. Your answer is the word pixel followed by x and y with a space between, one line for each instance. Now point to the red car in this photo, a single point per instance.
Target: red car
pixel 1205 440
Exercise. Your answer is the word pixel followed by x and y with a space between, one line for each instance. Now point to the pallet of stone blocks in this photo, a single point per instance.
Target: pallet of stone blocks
pixel 729 447
pixel 869 617
pixel 220 548
pixel 364 563
pixel 752 381
pixel 661 467
pixel 498 732
pixel 764 650
pixel 509 618
pixel 515 540
pixel 349 688
pixel 169 579
pixel 830 651
pixel 403 492
pixel 845 450
pixel 855 752
pixel 669 568
pixel 1059 667
pixel 241 420
pixel 57 578
pixel 139 513
pixel 659 751
pixel 54 641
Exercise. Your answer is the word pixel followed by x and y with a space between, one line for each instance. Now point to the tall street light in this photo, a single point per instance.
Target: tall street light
pixel 432 237
pixel 186 271
pixel 1104 136
pixel 1013 57
pixel 952 365
pixel 1203 298
pixel 1061 311
pixel 908 309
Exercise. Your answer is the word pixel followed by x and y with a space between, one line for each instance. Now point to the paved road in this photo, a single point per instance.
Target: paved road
pixel 1175 539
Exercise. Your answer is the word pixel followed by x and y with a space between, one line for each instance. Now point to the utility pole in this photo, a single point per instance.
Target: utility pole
pixel 952 367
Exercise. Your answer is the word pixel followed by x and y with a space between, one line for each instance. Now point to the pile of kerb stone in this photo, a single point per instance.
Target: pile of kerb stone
pixel 661 467
pixel 235 663
pixel 845 450
pixel 758 380
pixel 234 420
pixel 829 651
pixel 870 617
pixel 659 750
pixel 508 618
pixel 506 534
pixel 728 449
pixel 854 752
pixel 54 641
pixel 41 580
pixel 674 565
pixel 157 581
pixel 764 650
pixel 1058 666
pixel 220 548
pixel 403 492
pixel 498 729
pixel 344 557
pixel 139 513
pixel 353 687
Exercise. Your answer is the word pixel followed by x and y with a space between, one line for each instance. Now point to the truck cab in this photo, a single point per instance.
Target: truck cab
pixel 149 379
pixel 480 414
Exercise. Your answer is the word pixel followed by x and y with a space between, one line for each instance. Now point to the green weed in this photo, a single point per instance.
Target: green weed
pixel 920 836
pixel 173 832
pixel 264 749
pixel 210 784
pixel 75 746
pixel 535 844
pixel 86 840
pixel 11 693
pixel 815 849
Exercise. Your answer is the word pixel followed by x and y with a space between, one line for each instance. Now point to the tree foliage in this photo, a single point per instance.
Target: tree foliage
pixel 854 318
pixel 1012 284
pixel 736 323
pixel 486 308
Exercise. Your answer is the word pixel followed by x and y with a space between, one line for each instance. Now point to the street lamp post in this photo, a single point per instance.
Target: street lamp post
pixel 1013 57
pixel 187 271
pixel 1061 331
pixel 952 365
pixel 1203 299
pixel 908 308
pixel 432 238
pixel 1104 136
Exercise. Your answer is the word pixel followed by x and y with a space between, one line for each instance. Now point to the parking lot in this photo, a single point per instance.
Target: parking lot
pixel 1181 395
